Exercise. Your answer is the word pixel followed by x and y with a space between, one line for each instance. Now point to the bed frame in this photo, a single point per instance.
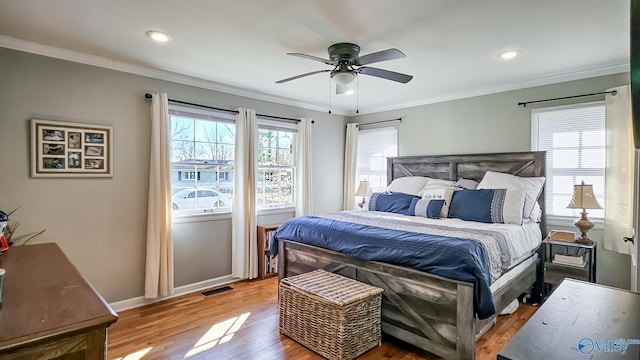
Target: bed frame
pixel 429 311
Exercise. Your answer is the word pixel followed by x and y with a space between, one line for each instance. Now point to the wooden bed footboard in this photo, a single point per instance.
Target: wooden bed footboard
pixel 428 311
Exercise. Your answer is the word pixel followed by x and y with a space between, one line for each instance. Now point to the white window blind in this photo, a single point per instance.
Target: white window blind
pixel 374 146
pixel 574 139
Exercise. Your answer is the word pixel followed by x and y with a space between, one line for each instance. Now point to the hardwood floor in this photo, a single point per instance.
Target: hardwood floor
pixel 243 324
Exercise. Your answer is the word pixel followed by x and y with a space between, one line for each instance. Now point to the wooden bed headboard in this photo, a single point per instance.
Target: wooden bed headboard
pixel 470 166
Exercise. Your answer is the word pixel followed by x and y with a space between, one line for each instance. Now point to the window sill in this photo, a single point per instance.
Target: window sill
pixel 201 217
pixel 216 216
pixel 277 210
pixel 566 221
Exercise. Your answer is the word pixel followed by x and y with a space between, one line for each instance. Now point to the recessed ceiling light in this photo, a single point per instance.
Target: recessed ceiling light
pixel 158 36
pixel 509 54
pixel 349 92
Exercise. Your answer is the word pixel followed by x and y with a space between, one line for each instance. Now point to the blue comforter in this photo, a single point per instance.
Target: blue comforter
pixel 450 257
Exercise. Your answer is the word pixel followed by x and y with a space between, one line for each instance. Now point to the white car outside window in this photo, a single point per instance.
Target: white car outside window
pixel 192 198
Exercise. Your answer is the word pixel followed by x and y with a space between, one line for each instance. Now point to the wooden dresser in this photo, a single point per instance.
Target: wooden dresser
pixel 580 320
pixel 49 310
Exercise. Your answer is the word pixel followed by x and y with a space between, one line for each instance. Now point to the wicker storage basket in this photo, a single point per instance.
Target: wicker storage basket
pixel 337 317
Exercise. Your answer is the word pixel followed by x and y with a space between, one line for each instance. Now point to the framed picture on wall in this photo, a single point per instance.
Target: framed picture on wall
pixel 64 149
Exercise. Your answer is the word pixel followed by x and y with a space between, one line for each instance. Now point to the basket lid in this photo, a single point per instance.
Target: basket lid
pixel 334 288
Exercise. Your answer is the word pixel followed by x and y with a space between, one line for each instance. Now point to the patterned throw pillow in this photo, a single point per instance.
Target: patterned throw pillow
pixel 443 193
pixel 430 208
pixel 488 205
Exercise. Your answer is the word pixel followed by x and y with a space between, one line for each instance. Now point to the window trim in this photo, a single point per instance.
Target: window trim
pixel 207 115
pixel 554 219
pixel 279 126
pixel 377 127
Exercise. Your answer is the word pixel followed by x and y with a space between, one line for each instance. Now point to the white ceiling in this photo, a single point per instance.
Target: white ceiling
pixel 239 46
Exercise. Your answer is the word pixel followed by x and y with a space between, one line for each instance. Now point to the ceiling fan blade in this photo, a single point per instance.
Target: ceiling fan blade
pixel 385 74
pixel 301 76
pixel 311 57
pixel 341 89
pixel 384 55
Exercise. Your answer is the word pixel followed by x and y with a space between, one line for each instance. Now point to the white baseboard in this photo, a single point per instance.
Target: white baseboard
pixel 179 291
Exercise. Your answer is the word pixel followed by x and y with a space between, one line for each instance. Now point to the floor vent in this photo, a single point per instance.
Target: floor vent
pixel 216 291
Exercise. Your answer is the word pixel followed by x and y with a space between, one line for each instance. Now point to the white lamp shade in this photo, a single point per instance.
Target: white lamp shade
pixel 583 198
pixel 363 188
pixel 343 78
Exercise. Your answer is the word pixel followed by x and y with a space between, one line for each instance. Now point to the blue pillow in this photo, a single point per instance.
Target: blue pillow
pixel 488 205
pixel 398 203
pixel 430 208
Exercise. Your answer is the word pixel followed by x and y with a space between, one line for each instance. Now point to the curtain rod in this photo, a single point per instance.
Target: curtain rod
pixel 524 103
pixel 381 121
pixel 148 96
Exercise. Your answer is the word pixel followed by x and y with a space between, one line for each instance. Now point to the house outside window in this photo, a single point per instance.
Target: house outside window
pixel 374 147
pixel 202 160
pixel 276 164
pixel 574 139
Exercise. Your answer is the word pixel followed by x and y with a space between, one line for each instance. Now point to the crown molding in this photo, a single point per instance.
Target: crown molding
pixel 102 62
pixel 610 69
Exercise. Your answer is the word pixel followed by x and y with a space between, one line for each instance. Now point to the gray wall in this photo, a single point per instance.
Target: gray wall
pixel 101 223
pixel 494 123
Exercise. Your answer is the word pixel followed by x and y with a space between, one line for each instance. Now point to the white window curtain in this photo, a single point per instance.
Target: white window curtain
pixel 244 247
pixel 303 168
pixel 619 170
pixel 350 167
pixel 159 261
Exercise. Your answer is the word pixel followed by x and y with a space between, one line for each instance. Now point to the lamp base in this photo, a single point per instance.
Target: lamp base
pixel 584 225
pixel 585 241
pixel 362 203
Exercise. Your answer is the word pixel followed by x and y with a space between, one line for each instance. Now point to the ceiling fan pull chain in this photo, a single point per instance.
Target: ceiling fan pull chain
pixel 329 95
pixel 357 94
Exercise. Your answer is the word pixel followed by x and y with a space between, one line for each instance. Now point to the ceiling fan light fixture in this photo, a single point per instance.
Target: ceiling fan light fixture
pixel 158 36
pixel 343 78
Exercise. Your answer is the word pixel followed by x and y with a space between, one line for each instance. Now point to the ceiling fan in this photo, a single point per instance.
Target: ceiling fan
pixel 347 64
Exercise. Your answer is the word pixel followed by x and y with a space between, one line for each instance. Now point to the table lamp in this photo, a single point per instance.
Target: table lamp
pixel 363 190
pixel 583 198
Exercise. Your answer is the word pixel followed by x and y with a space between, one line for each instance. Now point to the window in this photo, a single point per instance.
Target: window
pixel 276 164
pixel 574 139
pixel 374 146
pixel 202 160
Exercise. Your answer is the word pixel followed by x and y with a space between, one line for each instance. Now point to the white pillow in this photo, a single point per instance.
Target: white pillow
pixel 444 193
pixel 532 185
pixel 436 184
pixel 536 214
pixel 466 184
pixel 409 184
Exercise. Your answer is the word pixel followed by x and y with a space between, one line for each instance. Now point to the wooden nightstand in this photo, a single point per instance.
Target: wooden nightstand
pixel 555 269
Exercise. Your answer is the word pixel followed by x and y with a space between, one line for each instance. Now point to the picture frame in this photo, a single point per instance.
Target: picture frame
pixel 66 149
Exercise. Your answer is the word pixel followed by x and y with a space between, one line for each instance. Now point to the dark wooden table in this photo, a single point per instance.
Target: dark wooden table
pixel 580 320
pixel 50 311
